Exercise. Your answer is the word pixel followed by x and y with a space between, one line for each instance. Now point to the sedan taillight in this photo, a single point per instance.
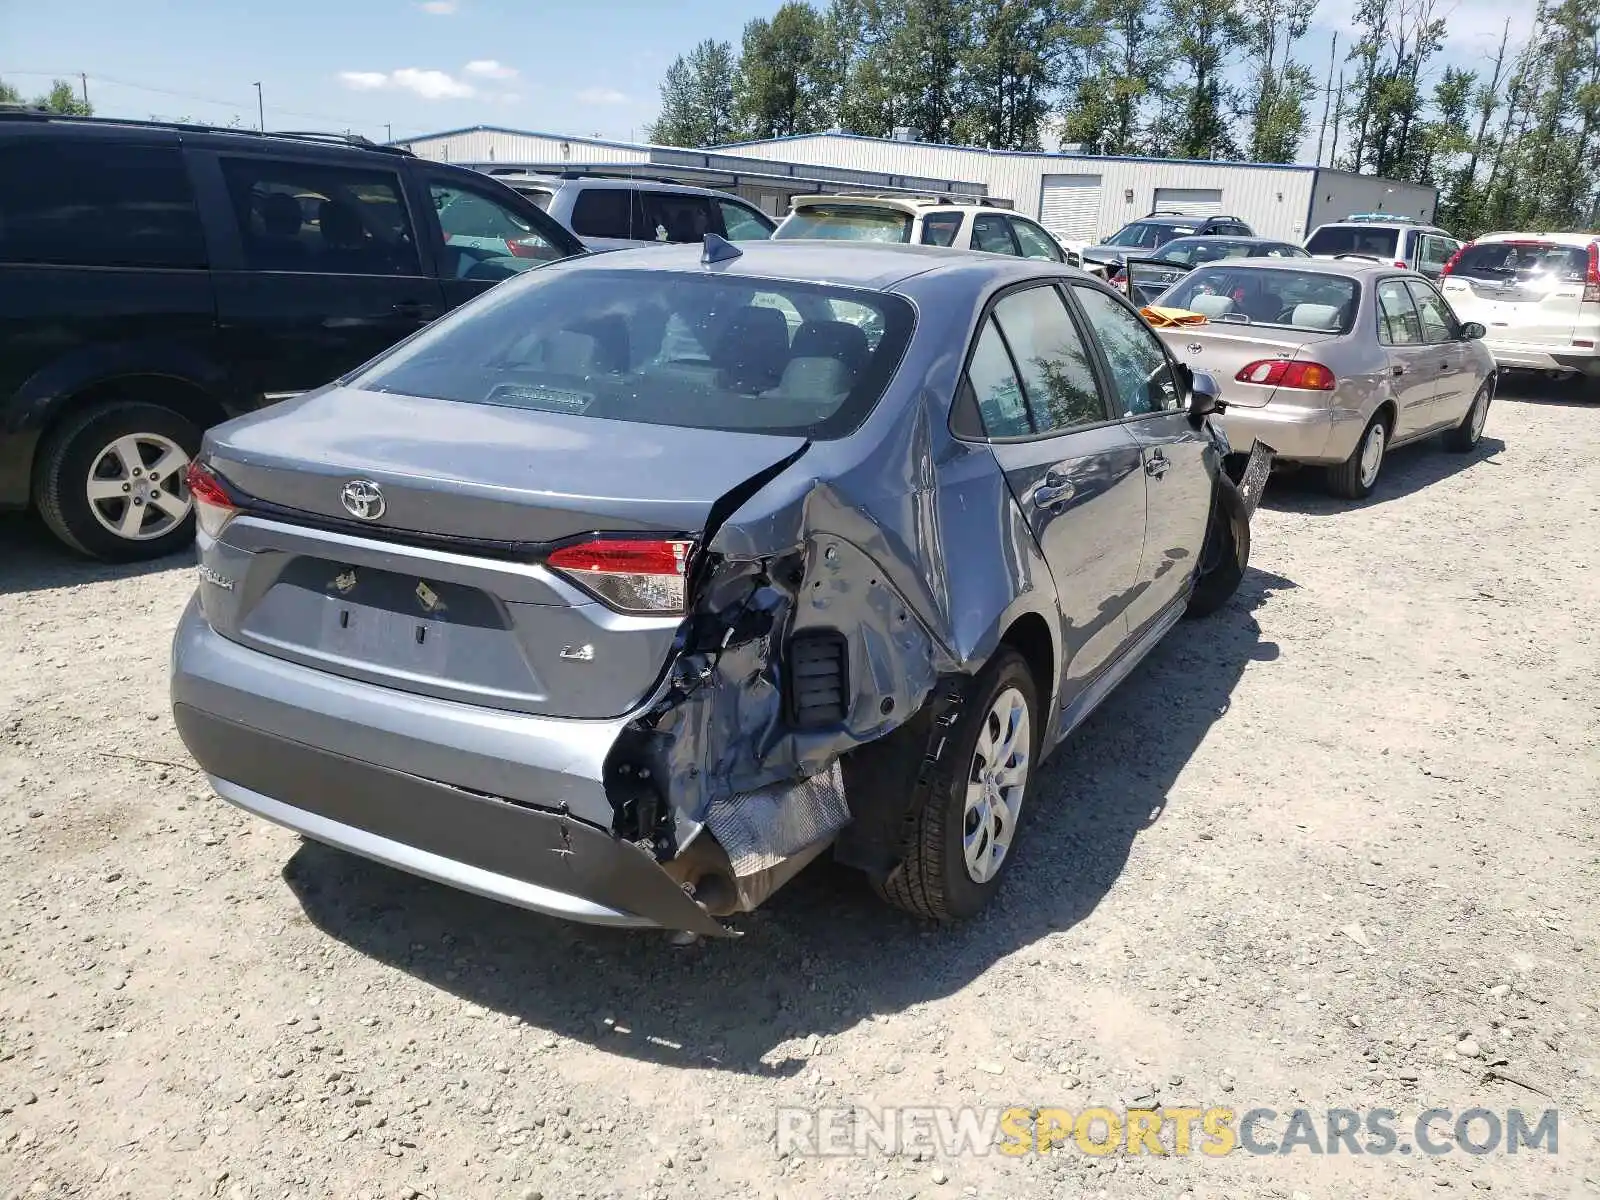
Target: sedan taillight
pixel 1280 372
pixel 631 575
pixel 213 507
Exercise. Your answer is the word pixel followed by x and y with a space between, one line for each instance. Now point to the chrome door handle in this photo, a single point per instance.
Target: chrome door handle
pixel 1047 495
pixel 1156 465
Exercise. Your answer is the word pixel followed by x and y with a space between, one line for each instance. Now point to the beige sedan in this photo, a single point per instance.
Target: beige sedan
pixel 1331 364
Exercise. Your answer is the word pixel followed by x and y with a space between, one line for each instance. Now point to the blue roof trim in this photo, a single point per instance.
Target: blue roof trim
pixel 862 137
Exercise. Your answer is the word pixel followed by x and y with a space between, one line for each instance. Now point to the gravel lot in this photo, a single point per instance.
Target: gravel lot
pixel 1314 848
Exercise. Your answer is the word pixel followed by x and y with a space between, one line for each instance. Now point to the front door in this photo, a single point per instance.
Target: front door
pixel 317 272
pixel 1076 475
pixel 1178 479
pixel 1413 365
pixel 1441 333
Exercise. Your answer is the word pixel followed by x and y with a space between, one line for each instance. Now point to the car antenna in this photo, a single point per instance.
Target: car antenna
pixel 719 249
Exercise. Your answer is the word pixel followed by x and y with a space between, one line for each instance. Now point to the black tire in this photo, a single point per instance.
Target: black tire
pixel 72 450
pixel 1226 552
pixel 1345 479
pixel 1466 435
pixel 932 879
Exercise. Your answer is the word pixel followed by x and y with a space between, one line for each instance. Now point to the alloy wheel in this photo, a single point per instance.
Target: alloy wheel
pixel 995 786
pixel 136 486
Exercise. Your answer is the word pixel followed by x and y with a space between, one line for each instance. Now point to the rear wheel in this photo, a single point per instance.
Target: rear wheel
pixel 111 481
pixel 1226 552
pixel 964 835
pixel 1355 477
pixel 1465 435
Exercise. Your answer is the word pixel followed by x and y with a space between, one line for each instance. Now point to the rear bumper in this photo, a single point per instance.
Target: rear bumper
pixel 333 759
pixel 1296 434
pixel 1523 356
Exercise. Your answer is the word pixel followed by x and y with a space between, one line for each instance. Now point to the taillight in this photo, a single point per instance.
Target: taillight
pixel 1591 280
pixel 1400 262
pixel 213 507
pixel 630 574
pixel 1280 372
pixel 528 248
pixel 1454 258
pixel 1119 277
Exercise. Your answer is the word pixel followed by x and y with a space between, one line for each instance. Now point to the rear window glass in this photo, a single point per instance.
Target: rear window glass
pixel 662 348
pixel 1191 252
pixel 1149 234
pixel 847 223
pixel 1354 239
pixel 539 196
pixel 1510 260
pixel 1266 296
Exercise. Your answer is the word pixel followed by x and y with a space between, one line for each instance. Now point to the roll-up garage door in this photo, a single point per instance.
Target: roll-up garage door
pixel 1195 202
pixel 1070 206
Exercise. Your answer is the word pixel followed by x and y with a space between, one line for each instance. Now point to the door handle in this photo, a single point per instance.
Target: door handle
pixel 1048 495
pixel 1156 465
pixel 416 309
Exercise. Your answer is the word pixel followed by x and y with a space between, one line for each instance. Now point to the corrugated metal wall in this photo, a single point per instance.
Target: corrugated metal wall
pixel 492 145
pixel 1339 194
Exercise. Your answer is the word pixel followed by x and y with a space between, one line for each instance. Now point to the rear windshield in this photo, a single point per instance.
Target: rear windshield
pixel 662 348
pixel 846 223
pixel 1264 296
pixel 1512 260
pixel 1191 252
pixel 539 196
pixel 1354 239
pixel 1148 234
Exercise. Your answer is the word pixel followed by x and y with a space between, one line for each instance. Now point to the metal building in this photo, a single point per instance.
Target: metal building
pixel 765 181
pixel 1085 198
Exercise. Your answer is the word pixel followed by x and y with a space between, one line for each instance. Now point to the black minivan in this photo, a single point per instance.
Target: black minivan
pixel 158 278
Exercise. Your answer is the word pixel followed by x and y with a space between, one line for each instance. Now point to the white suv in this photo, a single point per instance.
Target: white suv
pixel 1537 294
pixel 610 213
pixel 922 221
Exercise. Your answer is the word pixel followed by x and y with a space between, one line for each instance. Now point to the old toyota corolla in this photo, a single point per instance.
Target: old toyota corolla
pixel 629 588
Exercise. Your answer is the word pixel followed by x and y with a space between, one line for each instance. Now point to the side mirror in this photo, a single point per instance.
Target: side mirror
pixel 1473 331
pixel 1205 397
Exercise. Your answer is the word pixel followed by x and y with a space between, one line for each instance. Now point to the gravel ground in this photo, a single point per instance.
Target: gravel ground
pixel 1335 847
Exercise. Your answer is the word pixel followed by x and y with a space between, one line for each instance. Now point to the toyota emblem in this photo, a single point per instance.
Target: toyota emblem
pixel 362 499
pixel 1192 348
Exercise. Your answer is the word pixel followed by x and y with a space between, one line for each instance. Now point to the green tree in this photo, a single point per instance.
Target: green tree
pixel 928 50
pixel 64 98
pixel 1114 80
pixel 1010 67
pixel 1278 89
pixel 781 85
pixel 9 94
pixel 1197 108
pixel 697 98
pixel 858 69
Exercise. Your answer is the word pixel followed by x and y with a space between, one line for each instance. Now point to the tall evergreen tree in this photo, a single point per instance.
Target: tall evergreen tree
pixel 1010 65
pixel 1115 81
pixel 928 50
pixel 1279 89
pixel 781 84
pixel 697 98
pixel 1197 108
pixel 858 64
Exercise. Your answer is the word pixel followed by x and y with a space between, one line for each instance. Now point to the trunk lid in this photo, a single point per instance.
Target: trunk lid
pixel 445 592
pixel 1222 350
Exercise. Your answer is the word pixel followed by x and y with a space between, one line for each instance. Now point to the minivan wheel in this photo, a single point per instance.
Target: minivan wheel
pixel 1356 476
pixel 1226 552
pixel 1465 435
pixel 965 834
pixel 111 481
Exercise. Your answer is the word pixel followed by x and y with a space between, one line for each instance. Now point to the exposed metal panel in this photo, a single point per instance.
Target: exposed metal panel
pixel 1194 202
pixel 1339 193
pixel 1070 205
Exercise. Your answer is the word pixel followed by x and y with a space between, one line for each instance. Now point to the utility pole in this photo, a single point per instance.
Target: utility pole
pixel 261 108
pixel 84 80
pixel 1327 98
pixel 388 131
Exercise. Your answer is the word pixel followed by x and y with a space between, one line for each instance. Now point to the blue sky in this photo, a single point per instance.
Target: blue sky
pixel 427 65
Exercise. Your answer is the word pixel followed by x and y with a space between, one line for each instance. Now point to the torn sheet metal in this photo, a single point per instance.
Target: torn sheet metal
pixel 760 829
pixel 1253 483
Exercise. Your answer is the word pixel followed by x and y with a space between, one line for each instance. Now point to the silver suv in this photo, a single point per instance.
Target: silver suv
pixel 609 214
pixel 1385 238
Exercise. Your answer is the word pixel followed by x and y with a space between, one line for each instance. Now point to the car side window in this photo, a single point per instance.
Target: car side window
pixel 94 204
pixel 1436 251
pixel 1286 252
pixel 940 229
pixel 1140 370
pixel 674 216
pixel 1051 358
pixel 1035 242
pixel 297 216
pixel 1439 324
pixel 992 233
pixel 1398 324
pixel 484 239
pixel 743 224
pixel 993 380
pixel 603 212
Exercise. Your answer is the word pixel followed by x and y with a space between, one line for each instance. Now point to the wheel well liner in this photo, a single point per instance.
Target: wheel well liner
pixel 188 400
pixel 1030 637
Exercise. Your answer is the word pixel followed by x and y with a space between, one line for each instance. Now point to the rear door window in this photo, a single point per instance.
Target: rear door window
pixel 1035 242
pixel 1052 359
pixel 992 234
pixel 483 239
pixel 1438 322
pixel 1398 323
pixel 308 217
pixel 743 224
pixel 1263 295
pixel 94 203
pixel 674 216
pixel 1354 239
pixel 940 229
pixel 603 212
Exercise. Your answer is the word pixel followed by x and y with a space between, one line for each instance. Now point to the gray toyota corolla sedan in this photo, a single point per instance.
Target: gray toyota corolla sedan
pixel 629 588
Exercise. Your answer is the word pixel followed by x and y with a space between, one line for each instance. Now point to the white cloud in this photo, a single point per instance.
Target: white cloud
pixel 601 95
pixel 439 8
pixel 363 81
pixel 488 68
pixel 430 85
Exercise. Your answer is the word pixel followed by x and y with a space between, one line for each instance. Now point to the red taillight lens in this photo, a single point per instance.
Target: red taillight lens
pixel 213 507
pixel 1591 279
pixel 1280 372
pixel 1454 258
pixel 631 575
pixel 1400 262
pixel 528 248
pixel 1120 277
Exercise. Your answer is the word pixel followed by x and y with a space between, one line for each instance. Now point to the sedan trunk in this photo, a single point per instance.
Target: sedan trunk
pixel 1222 351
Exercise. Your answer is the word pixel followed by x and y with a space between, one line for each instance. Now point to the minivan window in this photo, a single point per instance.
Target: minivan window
pixel 674 217
pixel 602 212
pixel 296 216
pixel 743 224
pixel 1354 239
pixel 847 222
pixel 97 204
pixel 662 348
pixel 485 240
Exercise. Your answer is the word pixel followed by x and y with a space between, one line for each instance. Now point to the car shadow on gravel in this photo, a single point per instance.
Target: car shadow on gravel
pixel 1407 470
pixel 31 560
pixel 1548 393
pixel 824 954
